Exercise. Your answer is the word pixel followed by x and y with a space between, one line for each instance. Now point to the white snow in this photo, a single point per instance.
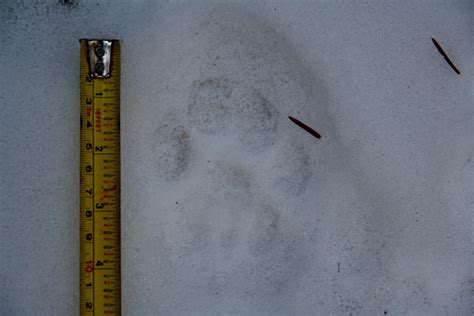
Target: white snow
pixel 227 206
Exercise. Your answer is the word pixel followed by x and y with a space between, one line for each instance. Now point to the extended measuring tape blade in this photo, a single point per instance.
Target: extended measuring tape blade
pixel 100 178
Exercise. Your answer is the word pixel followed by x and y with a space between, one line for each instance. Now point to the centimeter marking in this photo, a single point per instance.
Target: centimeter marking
pixel 100 188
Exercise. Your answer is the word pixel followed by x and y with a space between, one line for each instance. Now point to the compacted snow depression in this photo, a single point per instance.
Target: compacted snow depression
pixel 227 206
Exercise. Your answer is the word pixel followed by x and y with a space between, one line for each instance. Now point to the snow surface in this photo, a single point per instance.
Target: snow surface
pixel 227 206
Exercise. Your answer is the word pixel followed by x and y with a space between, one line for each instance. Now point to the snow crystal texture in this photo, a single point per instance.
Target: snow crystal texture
pixel 227 206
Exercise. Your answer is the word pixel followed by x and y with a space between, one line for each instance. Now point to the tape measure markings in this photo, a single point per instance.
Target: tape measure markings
pixel 100 178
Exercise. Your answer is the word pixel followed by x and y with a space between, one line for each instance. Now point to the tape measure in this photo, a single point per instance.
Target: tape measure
pixel 100 178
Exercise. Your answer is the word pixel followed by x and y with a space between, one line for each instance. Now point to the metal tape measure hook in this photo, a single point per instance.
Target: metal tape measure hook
pixel 100 56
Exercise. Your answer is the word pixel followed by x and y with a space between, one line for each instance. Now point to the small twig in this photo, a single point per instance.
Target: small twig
pixel 443 53
pixel 305 127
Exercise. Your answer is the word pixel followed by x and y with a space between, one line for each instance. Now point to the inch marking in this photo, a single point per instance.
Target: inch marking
pixel 100 187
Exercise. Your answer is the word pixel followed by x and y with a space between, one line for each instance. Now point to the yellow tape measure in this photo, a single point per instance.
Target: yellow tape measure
pixel 100 178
